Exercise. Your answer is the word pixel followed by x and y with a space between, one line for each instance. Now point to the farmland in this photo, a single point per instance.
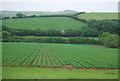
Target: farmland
pixel 33 46
pixel 46 55
pixel 99 15
pixel 44 23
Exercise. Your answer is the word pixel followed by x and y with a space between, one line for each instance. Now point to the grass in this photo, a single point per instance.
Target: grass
pixel 44 37
pixel 73 54
pixel 99 15
pixel 56 37
pixel 43 73
pixel 44 23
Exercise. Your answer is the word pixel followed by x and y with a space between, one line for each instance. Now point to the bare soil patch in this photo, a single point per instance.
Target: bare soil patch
pixel 69 67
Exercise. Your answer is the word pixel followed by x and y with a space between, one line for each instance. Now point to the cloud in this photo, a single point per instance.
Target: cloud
pixel 60 0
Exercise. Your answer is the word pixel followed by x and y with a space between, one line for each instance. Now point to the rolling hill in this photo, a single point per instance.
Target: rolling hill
pixel 98 15
pixel 44 23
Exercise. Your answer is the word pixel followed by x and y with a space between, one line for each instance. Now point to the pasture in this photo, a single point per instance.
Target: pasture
pixel 99 15
pixel 48 55
pixel 43 73
pixel 44 23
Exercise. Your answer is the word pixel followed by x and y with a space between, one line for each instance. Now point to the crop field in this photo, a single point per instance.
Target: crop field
pixel 48 55
pixel 44 23
pixel 99 16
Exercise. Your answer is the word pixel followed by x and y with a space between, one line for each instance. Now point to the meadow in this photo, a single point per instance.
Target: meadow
pixel 98 15
pixel 43 73
pixel 44 23
pixel 49 55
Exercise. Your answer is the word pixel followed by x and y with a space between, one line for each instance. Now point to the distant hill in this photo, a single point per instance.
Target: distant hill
pixel 13 13
pixel 70 11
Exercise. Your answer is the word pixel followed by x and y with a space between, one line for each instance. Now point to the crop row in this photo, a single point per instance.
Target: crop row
pixel 42 55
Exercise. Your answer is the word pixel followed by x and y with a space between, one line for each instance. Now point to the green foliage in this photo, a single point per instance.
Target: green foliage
pixel 20 15
pixel 103 35
pixel 66 40
pixel 5 18
pixel 5 34
pixel 109 40
pixel 104 26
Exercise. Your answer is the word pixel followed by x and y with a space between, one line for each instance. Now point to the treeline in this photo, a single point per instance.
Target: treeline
pixel 104 26
pixel 20 15
pixel 72 40
pixel 32 16
pixel 106 38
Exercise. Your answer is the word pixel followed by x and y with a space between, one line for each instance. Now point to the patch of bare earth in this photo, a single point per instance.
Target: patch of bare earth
pixel 68 67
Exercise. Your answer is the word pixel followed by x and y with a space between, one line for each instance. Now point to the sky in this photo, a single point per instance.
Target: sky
pixel 60 5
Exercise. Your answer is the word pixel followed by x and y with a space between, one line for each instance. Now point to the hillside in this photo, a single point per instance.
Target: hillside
pixel 44 23
pixel 98 15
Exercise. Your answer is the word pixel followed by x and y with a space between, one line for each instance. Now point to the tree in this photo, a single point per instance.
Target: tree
pixel 20 15
pixel 103 35
pixel 5 17
pixel 109 40
pixel 5 34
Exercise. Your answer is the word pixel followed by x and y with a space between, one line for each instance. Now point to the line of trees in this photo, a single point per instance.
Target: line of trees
pixel 106 38
pixel 71 40
pixel 20 15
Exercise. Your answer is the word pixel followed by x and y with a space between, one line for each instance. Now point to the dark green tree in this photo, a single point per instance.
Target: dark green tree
pixel 109 40
pixel 5 34
pixel 20 15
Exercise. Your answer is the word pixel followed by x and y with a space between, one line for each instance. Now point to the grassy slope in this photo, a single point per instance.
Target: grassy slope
pixel 99 16
pixel 42 73
pixel 44 23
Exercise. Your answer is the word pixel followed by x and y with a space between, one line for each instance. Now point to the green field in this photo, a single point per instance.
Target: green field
pixel 43 73
pixel 59 55
pixel 44 23
pixel 99 15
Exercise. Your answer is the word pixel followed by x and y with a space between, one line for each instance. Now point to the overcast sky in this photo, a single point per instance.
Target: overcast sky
pixel 60 5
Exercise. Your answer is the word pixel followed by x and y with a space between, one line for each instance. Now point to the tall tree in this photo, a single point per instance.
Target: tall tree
pixel 19 15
